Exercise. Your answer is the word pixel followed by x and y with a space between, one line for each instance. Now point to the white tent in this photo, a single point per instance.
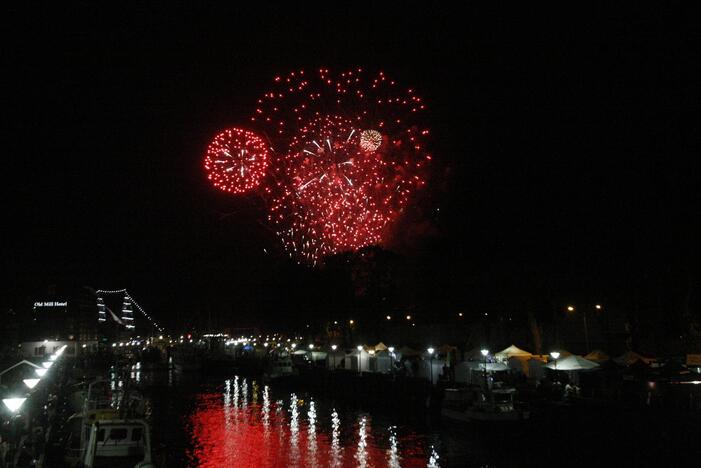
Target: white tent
pixel 512 351
pixel 491 366
pixel 572 363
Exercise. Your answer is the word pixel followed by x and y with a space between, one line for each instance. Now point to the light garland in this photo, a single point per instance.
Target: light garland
pixel 129 315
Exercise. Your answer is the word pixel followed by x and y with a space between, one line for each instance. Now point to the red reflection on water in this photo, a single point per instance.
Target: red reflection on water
pixel 227 435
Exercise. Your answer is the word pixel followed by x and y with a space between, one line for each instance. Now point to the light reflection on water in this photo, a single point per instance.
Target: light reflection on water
pixel 232 427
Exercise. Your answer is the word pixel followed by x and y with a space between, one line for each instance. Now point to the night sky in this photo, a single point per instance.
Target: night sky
pixel 565 143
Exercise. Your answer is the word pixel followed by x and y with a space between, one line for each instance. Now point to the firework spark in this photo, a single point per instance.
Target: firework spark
pixel 370 140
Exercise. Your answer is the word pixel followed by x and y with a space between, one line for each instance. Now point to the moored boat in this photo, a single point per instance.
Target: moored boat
pixel 498 405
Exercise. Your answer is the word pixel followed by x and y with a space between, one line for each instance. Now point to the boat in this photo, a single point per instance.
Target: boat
pixel 280 367
pixel 118 443
pixel 78 426
pixel 103 401
pixel 497 405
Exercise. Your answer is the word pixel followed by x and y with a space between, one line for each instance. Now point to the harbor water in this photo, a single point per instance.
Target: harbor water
pixel 239 421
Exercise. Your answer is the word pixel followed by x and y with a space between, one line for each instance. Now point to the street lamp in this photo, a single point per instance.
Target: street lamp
pixel 430 362
pixel 31 383
pixel 391 356
pixel 555 355
pixel 485 353
pixel 333 348
pixel 13 404
pixel 360 359
pixel 311 346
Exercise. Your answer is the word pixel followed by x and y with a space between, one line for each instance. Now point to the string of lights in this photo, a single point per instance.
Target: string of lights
pixel 128 299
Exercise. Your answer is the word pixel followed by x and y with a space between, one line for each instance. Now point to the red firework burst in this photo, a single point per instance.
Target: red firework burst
pixel 236 160
pixel 348 151
pixel 370 101
pixel 342 192
pixel 351 149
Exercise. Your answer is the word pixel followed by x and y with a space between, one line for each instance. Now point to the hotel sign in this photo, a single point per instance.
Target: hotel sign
pixel 51 304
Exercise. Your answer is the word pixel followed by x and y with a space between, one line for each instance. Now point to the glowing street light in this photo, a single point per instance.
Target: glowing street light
pixel 391 356
pixel 485 353
pixel 360 359
pixel 570 308
pixel 13 404
pixel 351 322
pixel 333 348
pixel 555 355
pixel 294 345
pixel 430 362
pixel 311 346
pixel 41 372
pixel 408 317
pixel 388 317
pixel 31 383
pixel 597 306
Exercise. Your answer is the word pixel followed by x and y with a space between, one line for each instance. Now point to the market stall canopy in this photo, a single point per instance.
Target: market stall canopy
pixel 512 351
pixel 597 356
pixel 491 366
pixel 380 347
pixel 572 363
pixel 318 355
pixel 630 357
pixel 693 359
